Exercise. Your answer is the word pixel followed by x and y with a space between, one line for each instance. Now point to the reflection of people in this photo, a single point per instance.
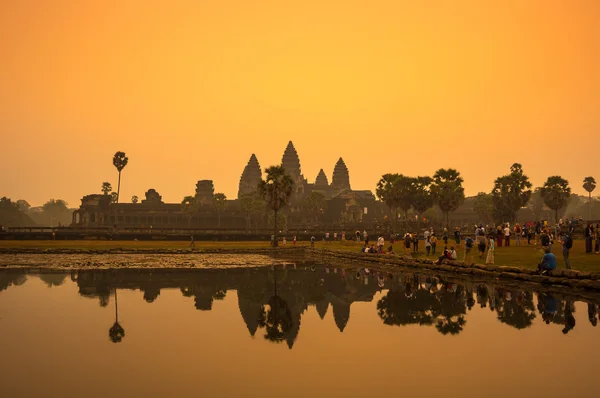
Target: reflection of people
pixel 569 318
pixel 549 304
pixel 548 262
pixel 592 312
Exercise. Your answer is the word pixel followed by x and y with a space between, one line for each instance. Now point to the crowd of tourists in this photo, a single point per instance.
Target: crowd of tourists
pixel 483 241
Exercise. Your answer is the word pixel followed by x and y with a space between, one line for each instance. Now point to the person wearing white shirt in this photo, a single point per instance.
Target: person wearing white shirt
pixel 507 236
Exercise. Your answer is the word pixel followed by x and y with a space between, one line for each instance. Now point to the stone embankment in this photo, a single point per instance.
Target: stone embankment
pixel 562 277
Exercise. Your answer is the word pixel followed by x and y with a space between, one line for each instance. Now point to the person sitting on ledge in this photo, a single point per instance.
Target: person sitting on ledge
pixel 447 255
pixel 390 250
pixel 548 262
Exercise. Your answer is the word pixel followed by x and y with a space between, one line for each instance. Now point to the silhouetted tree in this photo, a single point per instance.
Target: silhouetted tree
pixel 447 191
pixel 556 193
pixel 314 206
pixel 510 193
pixel 106 188
pixel 387 192
pixel 276 190
pixel 422 200
pixel 189 206
pixel 114 197
pixel 484 208
pixel 23 205
pixel 134 199
pixel 120 161
pixel 589 184
pixel 56 210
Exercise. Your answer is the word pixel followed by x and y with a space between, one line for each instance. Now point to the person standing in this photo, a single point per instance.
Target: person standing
pixel 294 241
pixel 499 235
pixel 433 241
pixel 312 241
pixel 567 243
pixel 407 243
pixel 597 248
pixel 468 247
pixel 491 246
pixel 506 235
pixel 457 236
pixel 518 234
pixel 415 242
pixel 427 245
pixel 589 236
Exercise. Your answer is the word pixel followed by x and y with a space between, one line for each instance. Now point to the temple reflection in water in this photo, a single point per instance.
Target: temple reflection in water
pixel 272 300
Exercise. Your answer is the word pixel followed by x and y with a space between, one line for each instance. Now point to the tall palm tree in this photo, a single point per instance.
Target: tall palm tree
pixel 120 161
pixel 589 184
pixel 276 190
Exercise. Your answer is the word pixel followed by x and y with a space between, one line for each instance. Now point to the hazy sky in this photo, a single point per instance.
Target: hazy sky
pixel 190 89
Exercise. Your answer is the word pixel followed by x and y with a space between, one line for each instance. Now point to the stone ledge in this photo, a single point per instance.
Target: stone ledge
pixel 565 277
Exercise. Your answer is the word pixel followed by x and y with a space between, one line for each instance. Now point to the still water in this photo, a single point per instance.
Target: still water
pixel 289 331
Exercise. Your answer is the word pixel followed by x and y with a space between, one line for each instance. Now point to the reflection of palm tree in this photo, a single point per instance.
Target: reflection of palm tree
pixel 519 315
pixel 116 332
pixel 277 319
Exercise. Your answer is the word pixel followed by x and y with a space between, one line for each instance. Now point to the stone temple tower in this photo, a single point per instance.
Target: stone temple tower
pixel 321 181
pixel 341 178
pixel 291 164
pixel 251 177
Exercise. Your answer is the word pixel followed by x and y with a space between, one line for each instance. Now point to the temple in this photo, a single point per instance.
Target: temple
pixel 342 205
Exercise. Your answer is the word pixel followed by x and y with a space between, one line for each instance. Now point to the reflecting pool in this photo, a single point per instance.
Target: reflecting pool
pixel 296 330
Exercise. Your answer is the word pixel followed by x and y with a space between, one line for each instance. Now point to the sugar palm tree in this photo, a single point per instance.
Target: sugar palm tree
pixel 589 184
pixel 120 161
pixel 276 190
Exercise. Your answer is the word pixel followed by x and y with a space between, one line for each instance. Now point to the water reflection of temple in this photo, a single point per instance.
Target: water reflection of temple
pixel 297 288
pixel 272 302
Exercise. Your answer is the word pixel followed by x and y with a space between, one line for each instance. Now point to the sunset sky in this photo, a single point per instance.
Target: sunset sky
pixel 190 89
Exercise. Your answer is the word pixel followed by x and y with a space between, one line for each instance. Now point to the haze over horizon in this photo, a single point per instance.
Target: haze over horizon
pixel 190 90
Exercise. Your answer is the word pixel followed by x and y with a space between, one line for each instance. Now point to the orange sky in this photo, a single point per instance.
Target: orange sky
pixel 189 89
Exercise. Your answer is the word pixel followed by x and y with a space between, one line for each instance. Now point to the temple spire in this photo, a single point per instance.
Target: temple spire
pixel 321 180
pixel 251 177
pixel 291 162
pixel 341 177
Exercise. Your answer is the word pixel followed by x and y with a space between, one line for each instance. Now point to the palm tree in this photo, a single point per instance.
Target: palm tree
pixel 447 191
pixel 589 184
pixel 116 332
pixel 120 161
pixel 276 190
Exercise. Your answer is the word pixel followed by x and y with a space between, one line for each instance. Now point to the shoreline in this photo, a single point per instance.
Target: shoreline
pixel 559 277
